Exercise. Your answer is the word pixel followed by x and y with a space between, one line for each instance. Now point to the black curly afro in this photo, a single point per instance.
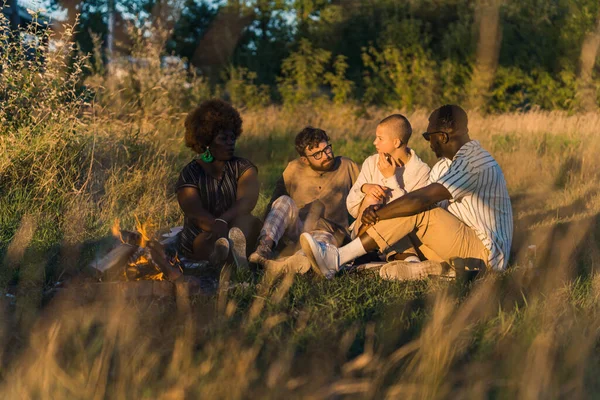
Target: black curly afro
pixel 209 119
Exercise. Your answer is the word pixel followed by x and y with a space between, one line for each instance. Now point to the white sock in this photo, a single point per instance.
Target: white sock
pixel 412 259
pixel 351 251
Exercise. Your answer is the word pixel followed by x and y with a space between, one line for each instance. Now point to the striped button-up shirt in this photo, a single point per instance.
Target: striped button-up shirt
pixel 479 198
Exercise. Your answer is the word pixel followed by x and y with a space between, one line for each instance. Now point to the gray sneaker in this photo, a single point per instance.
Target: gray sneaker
pixel 238 247
pixel 411 271
pixel 219 253
pixel 324 258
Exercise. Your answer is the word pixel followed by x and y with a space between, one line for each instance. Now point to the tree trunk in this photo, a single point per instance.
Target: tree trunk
pixel 71 8
pixel 586 92
pixel 110 36
pixel 218 44
pixel 488 50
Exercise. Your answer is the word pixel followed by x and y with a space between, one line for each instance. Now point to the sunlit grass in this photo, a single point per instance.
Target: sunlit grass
pixel 66 176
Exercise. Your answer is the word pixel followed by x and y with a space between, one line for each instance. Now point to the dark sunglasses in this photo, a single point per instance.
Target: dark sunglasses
pixel 319 154
pixel 427 135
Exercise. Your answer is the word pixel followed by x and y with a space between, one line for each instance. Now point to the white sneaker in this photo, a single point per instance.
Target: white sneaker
pixel 324 258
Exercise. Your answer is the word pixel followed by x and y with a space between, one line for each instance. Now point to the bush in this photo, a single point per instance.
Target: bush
pixel 302 74
pixel 514 89
pixel 340 86
pixel 243 91
pixel 400 77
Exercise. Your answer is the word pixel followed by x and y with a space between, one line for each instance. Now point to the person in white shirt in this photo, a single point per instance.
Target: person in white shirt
pixel 474 226
pixel 390 173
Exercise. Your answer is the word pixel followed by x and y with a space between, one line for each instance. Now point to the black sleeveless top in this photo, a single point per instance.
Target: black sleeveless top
pixel 216 195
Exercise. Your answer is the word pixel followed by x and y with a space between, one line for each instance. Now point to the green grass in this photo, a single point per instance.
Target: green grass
pixel 506 336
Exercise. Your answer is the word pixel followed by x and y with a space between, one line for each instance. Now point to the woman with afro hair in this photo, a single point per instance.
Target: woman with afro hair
pixel 216 191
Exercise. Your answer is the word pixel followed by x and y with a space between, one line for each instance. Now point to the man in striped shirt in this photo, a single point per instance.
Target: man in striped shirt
pixel 463 214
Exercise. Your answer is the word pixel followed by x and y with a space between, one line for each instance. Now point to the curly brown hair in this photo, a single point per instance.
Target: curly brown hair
pixel 310 137
pixel 209 119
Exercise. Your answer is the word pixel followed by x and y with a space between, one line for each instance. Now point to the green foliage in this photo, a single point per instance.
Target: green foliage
pixel 303 74
pixel 514 89
pixel 242 89
pixel 399 77
pixel 340 86
pixel 454 77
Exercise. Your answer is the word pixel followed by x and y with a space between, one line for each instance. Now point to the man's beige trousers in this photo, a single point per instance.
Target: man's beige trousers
pixel 437 229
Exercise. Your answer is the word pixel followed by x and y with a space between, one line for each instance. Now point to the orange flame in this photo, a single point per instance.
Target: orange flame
pixel 142 229
pixel 143 259
pixel 116 230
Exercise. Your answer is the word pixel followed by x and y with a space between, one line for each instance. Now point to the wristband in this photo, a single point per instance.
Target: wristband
pixel 222 220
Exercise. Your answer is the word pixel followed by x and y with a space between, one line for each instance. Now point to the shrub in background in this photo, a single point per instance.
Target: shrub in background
pixel 242 89
pixel 399 77
pixel 514 89
pixel 340 86
pixel 303 74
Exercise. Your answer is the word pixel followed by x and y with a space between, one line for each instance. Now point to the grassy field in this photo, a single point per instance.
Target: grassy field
pixel 73 161
pixel 527 333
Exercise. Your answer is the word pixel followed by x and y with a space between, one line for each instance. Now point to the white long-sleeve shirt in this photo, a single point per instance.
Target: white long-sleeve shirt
pixel 412 176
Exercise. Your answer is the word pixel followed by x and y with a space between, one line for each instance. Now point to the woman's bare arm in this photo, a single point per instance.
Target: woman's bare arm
pixel 191 204
pixel 247 195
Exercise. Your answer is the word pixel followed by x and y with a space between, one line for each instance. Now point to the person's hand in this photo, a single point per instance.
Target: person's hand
pixel 220 229
pixel 206 224
pixel 377 191
pixel 369 216
pixel 387 165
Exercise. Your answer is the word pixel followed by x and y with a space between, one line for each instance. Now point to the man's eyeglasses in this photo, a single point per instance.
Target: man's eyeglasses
pixel 319 154
pixel 427 135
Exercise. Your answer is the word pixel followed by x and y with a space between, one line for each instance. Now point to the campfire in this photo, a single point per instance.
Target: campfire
pixel 136 257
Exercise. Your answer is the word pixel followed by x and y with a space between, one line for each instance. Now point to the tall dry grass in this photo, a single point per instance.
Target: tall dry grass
pixel 116 152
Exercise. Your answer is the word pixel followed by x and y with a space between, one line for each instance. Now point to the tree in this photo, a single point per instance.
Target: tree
pixel 195 19
pixel 586 91
pixel 488 50
pixel 266 40
pixel 216 47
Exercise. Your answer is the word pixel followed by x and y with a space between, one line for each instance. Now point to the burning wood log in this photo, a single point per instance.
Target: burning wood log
pixel 159 257
pixel 114 263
